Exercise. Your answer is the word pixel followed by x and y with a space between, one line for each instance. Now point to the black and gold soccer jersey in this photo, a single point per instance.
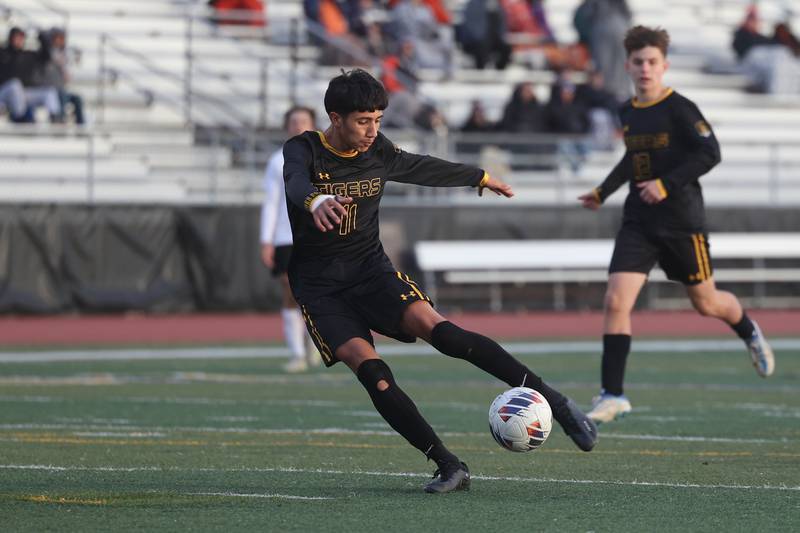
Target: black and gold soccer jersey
pixel 327 262
pixel 669 141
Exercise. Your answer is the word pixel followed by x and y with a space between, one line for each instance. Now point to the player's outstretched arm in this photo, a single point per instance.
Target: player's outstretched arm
pixel 591 200
pixel 495 185
pixel 327 210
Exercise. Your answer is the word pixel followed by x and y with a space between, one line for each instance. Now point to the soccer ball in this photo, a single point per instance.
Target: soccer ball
pixel 520 419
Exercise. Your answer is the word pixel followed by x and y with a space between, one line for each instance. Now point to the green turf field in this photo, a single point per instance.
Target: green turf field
pixel 236 445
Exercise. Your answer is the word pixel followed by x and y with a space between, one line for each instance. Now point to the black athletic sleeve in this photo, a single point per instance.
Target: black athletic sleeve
pixel 701 142
pixel 405 167
pixel 297 163
pixel 616 178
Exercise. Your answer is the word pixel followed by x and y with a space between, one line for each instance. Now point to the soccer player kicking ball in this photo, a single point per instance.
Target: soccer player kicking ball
pixel 669 145
pixel 346 285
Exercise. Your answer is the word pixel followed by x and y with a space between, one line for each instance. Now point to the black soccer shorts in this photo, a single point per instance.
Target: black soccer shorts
pixel 282 255
pixel 684 257
pixel 376 304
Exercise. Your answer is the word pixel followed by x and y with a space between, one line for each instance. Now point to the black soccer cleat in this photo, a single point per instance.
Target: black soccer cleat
pixel 449 478
pixel 580 428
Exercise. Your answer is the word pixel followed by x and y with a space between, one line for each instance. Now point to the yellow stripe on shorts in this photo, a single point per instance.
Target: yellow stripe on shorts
pixel 324 349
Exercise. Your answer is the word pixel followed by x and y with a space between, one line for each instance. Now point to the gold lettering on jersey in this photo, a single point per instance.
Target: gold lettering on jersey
pixel 642 169
pixel 411 294
pixel 324 176
pixel 647 142
pixel 702 129
pixel 355 189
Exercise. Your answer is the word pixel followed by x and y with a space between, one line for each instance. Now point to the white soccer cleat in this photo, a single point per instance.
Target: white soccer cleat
pixel 295 366
pixel 608 407
pixel 761 353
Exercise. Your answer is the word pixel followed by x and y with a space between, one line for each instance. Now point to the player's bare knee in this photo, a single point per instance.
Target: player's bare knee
pixel 383 385
pixel 615 303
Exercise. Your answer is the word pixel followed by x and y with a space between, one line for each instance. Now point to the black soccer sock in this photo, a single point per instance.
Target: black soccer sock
pixel 490 357
pixel 615 354
pixel 400 412
pixel 744 328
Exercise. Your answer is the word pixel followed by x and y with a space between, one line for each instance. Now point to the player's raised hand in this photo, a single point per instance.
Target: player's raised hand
pixel 329 211
pixel 650 192
pixel 590 200
pixel 497 186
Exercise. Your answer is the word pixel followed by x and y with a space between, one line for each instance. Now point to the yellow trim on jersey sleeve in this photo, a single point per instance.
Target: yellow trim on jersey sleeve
pixel 309 199
pixel 661 188
pixel 484 179
pixel 596 193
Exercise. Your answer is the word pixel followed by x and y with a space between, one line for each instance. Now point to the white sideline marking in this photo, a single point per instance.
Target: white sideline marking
pixel 626 436
pixel 267 352
pixel 158 430
pixel 52 468
pixel 270 496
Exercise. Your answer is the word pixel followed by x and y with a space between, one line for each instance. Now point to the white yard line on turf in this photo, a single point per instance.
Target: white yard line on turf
pixel 520 479
pixel 156 430
pixel 549 347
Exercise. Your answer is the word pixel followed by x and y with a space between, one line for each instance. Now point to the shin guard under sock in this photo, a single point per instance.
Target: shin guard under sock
pixel 399 410
pixel 490 357
pixel 615 354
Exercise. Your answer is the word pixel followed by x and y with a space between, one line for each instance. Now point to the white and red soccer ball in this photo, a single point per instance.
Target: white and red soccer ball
pixel 520 419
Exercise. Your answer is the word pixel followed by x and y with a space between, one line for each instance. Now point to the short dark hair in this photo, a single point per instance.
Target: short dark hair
pixel 14 31
pixel 355 90
pixel 298 109
pixel 639 37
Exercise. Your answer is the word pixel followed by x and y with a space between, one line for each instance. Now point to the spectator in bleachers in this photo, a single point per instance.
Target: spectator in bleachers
pixel 239 12
pixel 531 35
pixel 785 36
pixel 602 24
pixel 407 109
pixel 12 100
pixel 413 20
pixel 482 33
pixel 19 64
pixel 568 116
pixel 334 34
pixel 400 70
pixel 603 111
pixel 769 65
pixel 54 73
pixel 477 121
pixel 367 24
pixel 528 19
pixel 523 113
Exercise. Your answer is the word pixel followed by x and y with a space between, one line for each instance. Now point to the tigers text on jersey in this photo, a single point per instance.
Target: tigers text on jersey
pixel 667 140
pixel 326 262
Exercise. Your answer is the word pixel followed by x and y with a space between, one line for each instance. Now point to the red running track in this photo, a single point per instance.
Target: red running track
pixel 135 329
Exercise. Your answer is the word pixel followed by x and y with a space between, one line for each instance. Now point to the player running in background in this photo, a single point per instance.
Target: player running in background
pixel 346 285
pixel 669 146
pixel 276 244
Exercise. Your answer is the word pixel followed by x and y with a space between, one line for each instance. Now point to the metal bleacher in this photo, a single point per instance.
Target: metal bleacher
pixel 183 111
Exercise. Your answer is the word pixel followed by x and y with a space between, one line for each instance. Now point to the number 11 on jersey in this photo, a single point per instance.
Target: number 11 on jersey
pixel 348 222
